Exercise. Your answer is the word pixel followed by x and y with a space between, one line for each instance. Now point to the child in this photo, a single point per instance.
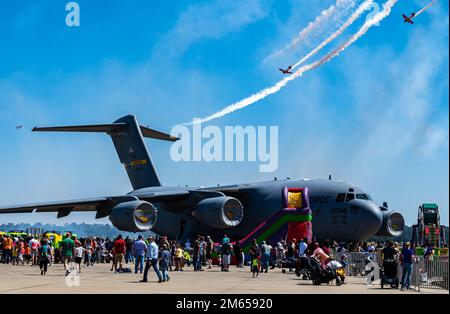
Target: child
pixel 20 253
pixel 187 259
pixel 179 256
pixel 27 253
pixel 79 250
pixel 15 255
pixel 255 267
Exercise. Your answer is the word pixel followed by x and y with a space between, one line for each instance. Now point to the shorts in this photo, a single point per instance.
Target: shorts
pixel 78 260
pixel 118 258
pixel 67 258
pixel 208 256
pixel 226 259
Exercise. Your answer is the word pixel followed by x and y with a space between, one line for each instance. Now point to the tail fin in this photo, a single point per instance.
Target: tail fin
pixel 127 136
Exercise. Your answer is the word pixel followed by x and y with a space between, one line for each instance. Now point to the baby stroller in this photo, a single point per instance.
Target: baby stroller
pixel 302 269
pixel 286 263
pixel 322 273
pixel 388 274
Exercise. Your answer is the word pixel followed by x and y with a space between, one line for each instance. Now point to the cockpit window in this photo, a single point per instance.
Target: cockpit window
pixel 340 198
pixel 362 197
pixel 350 196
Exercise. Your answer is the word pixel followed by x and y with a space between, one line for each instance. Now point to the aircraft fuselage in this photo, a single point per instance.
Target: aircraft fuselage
pixel 335 215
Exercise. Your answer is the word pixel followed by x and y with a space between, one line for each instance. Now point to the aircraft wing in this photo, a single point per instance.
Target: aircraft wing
pixel 102 205
pixel 175 199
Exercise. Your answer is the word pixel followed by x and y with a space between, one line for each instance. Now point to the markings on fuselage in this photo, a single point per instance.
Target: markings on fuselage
pixel 339 215
pixel 319 199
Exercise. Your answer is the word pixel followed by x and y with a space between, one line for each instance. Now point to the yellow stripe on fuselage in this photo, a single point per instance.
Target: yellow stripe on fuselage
pixel 138 162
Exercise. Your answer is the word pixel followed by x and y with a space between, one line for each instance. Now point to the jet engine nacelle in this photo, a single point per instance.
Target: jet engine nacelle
pixel 219 212
pixel 133 216
pixel 392 226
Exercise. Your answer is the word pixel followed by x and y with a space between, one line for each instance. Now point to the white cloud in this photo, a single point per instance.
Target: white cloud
pixel 211 20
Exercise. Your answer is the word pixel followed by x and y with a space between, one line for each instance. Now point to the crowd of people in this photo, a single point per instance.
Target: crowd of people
pixel 164 255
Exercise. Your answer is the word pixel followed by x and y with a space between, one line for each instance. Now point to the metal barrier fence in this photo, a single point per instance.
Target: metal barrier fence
pixel 355 262
pixel 426 273
pixel 431 272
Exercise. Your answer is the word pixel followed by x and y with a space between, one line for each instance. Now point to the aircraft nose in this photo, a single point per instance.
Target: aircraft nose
pixel 368 220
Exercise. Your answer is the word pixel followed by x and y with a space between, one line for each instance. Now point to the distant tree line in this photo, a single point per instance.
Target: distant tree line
pixel 82 230
pixel 107 230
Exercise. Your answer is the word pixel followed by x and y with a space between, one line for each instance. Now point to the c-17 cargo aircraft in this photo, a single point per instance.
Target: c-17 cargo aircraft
pixel 340 210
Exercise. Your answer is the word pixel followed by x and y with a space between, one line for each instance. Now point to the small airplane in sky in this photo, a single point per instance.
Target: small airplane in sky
pixel 407 19
pixel 287 71
pixel 18 127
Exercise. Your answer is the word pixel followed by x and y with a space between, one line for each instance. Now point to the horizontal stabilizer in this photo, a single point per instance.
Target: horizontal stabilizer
pixel 150 133
pixel 105 128
pixel 108 128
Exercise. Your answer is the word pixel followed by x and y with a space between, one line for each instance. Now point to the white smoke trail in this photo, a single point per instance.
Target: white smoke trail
pixel 312 26
pixel 387 7
pixel 424 8
pixel 363 7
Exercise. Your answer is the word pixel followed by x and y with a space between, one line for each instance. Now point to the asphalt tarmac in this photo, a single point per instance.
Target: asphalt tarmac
pixel 99 279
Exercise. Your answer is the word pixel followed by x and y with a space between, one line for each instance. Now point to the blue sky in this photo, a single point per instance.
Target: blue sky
pixel 376 116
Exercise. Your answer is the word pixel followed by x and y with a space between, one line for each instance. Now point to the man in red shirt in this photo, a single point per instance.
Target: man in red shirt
pixel 119 252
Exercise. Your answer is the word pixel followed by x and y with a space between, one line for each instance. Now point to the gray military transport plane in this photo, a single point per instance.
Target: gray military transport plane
pixel 340 210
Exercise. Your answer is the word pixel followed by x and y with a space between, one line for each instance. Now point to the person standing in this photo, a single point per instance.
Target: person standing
pixel 179 258
pixel 119 253
pixel 255 266
pixel 265 256
pixel 209 250
pixel 164 262
pixel 237 250
pixel 197 257
pixel 21 251
pixel 202 251
pixel 87 250
pixel 302 258
pixel 79 250
pixel 43 251
pixel 152 260
pixel 67 251
pixel 128 250
pixel 406 258
pixel 7 249
pixel 226 250
pixel 139 248
pixel 254 253
pixel 34 244
pixel 302 246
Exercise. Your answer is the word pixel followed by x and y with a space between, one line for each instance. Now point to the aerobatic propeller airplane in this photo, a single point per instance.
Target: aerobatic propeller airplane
pixel 407 19
pixel 287 71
